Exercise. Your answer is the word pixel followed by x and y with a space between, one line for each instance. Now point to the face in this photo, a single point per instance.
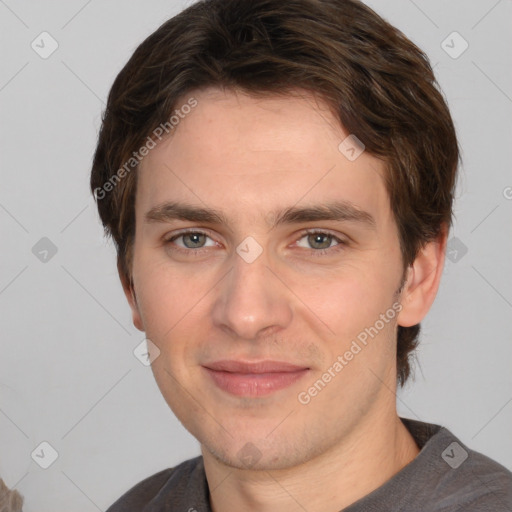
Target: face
pixel 266 263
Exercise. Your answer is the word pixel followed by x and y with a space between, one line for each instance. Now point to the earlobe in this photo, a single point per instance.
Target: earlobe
pixel 422 283
pixel 131 297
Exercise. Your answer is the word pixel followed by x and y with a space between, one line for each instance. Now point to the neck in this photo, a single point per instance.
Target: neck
pixel 378 448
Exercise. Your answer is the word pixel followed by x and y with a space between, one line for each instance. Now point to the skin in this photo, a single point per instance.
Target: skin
pixel 248 157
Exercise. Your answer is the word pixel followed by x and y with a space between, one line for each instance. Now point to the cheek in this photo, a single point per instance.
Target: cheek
pixel 162 296
pixel 173 304
pixel 360 351
pixel 349 300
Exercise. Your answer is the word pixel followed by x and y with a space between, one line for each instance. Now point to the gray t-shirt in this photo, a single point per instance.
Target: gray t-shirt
pixel 446 476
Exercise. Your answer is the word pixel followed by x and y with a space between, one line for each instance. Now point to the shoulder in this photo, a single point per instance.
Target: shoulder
pixel 448 476
pixel 151 489
pixel 480 483
pixel 470 479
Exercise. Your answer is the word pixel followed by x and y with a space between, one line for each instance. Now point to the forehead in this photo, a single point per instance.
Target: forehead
pixel 233 123
pixel 256 154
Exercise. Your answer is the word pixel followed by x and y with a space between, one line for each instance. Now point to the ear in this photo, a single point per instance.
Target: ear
pixel 129 293
pixel 422 283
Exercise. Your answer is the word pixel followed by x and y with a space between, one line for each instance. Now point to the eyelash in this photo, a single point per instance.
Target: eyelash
pixel 314 252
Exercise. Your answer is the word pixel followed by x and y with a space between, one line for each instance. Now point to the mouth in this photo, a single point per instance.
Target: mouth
pixel 253 379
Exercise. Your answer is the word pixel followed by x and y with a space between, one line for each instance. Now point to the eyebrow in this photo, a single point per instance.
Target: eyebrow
pixel 334 211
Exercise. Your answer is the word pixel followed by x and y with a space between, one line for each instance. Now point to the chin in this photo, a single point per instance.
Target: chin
pixel 266 449
pixel 250 457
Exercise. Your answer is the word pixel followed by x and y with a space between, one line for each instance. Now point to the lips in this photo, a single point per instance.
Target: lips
pixel 252 379
pixel 253 367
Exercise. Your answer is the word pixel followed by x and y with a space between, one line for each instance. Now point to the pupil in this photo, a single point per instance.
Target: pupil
pixel 195 238
pixel 317 238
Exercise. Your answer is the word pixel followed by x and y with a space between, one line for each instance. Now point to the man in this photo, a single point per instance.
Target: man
pixel 278 178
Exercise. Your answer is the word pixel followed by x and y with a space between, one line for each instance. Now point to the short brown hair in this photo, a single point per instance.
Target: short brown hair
pixel 376 81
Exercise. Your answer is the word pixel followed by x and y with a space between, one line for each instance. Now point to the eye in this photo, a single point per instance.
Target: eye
pixel 190 240
pixel 317 242
pixel 320 242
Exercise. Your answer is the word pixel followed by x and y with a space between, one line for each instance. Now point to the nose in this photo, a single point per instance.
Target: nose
pixel 251 300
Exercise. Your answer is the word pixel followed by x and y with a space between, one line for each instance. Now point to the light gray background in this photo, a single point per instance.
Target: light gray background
pixel 67 372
